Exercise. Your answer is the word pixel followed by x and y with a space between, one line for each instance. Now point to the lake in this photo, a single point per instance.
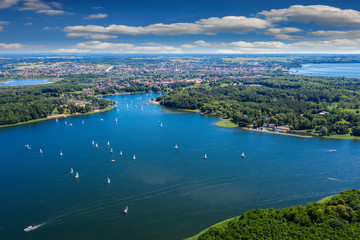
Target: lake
pixel 170 194
pixel 350 70
pixel 23 82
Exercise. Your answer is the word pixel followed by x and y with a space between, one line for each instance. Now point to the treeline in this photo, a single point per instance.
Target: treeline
pixel 338 218
pixel 327 105
pixel 25 103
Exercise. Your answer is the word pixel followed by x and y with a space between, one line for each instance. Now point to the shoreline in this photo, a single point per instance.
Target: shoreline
pixel 50 117
pixel 279 133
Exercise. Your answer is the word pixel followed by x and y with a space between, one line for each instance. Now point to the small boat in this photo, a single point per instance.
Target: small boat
pixel 61 153
pixel 111 150
pixel 26 145
pixel 82 121
pixel 243 154
pixel 134 158
pixel 96 145
pixel 332 150
pixel 205 156
pixel 65 122
pixel 161 125
pixel 57 120
pixel 102 119
pixel 108 143
pixel 92 142
pixel 176 147
pixel 120 153
pixel 159 122
pixel 29 228
pixel 77 175
pixel 41 152
pixel 126 210
pixel 71 171
pixel 113 160
pixel 70 124
pixel 115 119
pixel 108 180
pixel 142 108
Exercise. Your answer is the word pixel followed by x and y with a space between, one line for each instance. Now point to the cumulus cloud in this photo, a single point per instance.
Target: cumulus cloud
pixel 38 6
pixel 337 34
pixel 199 43
pixel 3 23
pixel 126 47
pixel 282 33
pixel 96 16
pixel 94 36
pixel 70 50
pixel 203 26
pixel 11 46
pixel 50 28
pixel 319 14
pixel 8 3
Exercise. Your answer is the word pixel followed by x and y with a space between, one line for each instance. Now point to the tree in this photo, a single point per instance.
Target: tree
pixel 324 131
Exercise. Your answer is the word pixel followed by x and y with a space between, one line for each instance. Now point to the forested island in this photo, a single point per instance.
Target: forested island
pixel 294 104
pixel 335 217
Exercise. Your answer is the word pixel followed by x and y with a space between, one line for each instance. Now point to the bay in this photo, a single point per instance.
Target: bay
pixel 171 194
pixel 22 82
pixel 350 70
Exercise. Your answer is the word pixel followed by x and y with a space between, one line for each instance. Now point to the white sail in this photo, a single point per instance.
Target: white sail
pixel 77 175
pixel 243 154
pixel 176 146
pixel 120 153
pixel 92 142
pixel 71 171
pixel 111 150
pixel 126 210
pixel 40 151
pixel 134 158
pixel 61 153
pixel 108 180
pixel 108 143
pixel 205 156
pixel 96 145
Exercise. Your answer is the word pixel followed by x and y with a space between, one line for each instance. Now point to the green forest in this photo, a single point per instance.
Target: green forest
pixel 26 103
pixel 336 218
pixel 322 105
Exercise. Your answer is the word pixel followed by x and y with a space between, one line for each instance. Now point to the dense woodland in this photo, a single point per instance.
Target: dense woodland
pixel 339 218
pixel 25 103
pixel 328 105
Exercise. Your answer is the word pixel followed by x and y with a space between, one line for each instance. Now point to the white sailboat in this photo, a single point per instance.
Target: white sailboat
pixel 102 119
pixel 65 122
pixel 115 119
pixel 176 147
pixel 71 171
pixel 111 150
pixel 142 108
pixel 108 180
pixel 96 145
pixel 126 210
pixel 92 142
pixel 243 154
pixel 41 152
pixel 134 158
pixel 77 175
pixel 120 153
pixel 61 153
pixel 82 121
pixel 205 156
pixel 108 143
pixel 57 120
pixel 161 125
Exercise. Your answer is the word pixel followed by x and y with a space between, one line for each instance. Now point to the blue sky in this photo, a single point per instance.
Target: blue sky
pixel 197 26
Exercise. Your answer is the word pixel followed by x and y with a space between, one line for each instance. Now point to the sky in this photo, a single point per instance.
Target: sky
pixel 168 26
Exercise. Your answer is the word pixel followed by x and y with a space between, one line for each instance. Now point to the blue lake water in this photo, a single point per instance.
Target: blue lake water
pixel 171 194
pixel 350 70
pixel 23 82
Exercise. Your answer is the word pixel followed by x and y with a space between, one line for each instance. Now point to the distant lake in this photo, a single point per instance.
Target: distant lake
pixel 23 82
pixel 171 194
pixel 350 70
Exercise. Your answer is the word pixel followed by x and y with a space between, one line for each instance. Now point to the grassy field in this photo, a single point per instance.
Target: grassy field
pixel 342 136
pixel 226 123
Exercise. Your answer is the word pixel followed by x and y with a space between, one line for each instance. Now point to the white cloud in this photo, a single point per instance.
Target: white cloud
pixel 11 46
pixel 319 14
pixel 28 23
pixel 97 16
pixel 126 47
pixel 3 22
pixel 337 34
pixel 51 12
pixel 199 43
pixel 70 50
pixel 8 3
pixel 50 28
pixel 97 7
pixel 94 36
pixel 286 37
pixel 285 30
pixel 212 25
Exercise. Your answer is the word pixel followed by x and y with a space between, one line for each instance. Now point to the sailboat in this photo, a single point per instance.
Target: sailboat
pixel 57 120
pixel 65 122
pixel 205 156
pixel 41 152
pixel 115 119
pixel 108 143
pixel 134 158
pixel 111 150
pixel 108 180
pixel 102 119
pixel 92 142
pixel 120 153
pixel 96 145
pixel 176 147
pixel 161 125
pixel 142 108
pixel 71 171
pixel 243 154
pixel 77 175
pixel 126 210
pixel 61 153
pixel 82 122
